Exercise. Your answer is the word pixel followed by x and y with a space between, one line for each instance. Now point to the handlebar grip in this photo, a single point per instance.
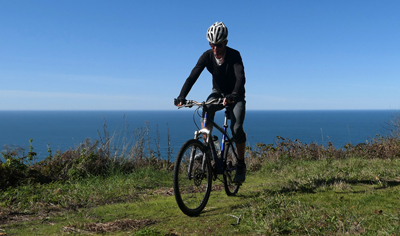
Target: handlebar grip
pixel 177 101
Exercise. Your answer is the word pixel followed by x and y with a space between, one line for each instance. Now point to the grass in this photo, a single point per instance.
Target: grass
pixel 353 196
pixel 87 192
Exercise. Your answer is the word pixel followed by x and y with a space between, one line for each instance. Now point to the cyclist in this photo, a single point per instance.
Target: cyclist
pixel 228 79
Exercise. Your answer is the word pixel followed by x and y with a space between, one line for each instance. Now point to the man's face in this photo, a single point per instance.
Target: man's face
pixel 219 49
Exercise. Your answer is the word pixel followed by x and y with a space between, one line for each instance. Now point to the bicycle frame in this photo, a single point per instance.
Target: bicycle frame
pixel 193 180
pixel 225 137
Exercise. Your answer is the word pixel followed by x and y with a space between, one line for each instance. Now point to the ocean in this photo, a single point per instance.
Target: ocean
pixel 62 130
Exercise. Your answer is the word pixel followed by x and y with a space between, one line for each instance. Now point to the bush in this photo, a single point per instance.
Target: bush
pixel 98 158
pixel 15 169
pixel 379 147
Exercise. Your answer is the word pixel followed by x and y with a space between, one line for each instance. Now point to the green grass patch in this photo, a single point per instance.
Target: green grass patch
pixel 88 192
pixel 352 196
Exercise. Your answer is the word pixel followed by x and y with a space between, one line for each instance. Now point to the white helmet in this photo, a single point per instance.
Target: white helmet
pixel 217 33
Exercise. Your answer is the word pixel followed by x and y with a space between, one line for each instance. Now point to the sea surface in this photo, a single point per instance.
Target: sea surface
pixel 63 130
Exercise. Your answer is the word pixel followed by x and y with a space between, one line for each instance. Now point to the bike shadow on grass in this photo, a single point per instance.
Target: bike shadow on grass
pixel 317 184
pixel 382 184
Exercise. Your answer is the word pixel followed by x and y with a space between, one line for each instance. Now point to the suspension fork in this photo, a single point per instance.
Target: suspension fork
pixel 192 160
pixel 197 133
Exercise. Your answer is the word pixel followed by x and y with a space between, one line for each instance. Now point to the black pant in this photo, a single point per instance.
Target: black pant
pixel 237 115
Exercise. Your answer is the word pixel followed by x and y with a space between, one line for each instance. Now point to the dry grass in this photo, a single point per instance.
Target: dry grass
pixel 117 153
pixel 118 225
pixel 379 147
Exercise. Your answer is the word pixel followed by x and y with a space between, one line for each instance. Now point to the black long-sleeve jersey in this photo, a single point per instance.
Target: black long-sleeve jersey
pixel 228 78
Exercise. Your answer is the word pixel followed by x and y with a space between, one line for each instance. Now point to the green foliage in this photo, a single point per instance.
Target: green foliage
pixel 96 158
pixel 31 154
pixel 13 170
pixel 379 147
pixel 87 192
pixel 350 196
pixel 103 157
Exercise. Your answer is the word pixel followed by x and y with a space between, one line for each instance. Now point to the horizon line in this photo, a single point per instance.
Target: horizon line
pixel 155 110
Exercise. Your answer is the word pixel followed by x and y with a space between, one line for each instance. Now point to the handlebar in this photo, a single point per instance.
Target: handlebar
pixel 191 103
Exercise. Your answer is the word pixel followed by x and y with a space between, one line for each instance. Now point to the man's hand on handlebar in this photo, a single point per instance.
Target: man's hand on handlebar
pixel 230 98
pixel 179 102
pixel 226 101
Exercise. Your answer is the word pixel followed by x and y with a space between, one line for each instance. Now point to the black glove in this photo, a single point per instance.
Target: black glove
pixel 231 97
pixel 179 100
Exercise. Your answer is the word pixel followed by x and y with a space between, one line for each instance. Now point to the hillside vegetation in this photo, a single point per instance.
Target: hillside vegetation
pixel 292 188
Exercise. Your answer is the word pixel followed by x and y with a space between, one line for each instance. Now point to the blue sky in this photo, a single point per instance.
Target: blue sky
pixel 136 55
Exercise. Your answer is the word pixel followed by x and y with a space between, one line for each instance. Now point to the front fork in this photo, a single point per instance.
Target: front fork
pixel 198 133
pixel 205 132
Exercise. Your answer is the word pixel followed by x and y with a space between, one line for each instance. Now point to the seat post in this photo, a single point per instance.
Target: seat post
pixel 227 117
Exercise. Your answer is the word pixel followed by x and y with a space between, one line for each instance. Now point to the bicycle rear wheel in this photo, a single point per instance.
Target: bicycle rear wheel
pixel 231 188
pixel 192 182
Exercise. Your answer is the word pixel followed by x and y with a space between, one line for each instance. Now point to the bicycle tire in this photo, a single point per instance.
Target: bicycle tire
pixel 192 194
pixel 231 188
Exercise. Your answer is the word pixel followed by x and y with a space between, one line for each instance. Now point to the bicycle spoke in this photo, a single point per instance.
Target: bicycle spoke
pixel 192 181
pixel 230 188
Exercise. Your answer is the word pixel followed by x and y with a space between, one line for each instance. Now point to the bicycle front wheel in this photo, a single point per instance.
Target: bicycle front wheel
pixel 231 188
pixel 192 178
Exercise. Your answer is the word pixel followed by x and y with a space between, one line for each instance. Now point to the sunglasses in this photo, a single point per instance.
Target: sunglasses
pixel 216 45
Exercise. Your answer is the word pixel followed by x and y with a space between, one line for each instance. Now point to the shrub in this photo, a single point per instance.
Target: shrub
pixel 379 147
pixel 102 157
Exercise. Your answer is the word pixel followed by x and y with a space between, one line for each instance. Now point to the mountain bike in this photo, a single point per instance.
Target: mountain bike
pixel 199 162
